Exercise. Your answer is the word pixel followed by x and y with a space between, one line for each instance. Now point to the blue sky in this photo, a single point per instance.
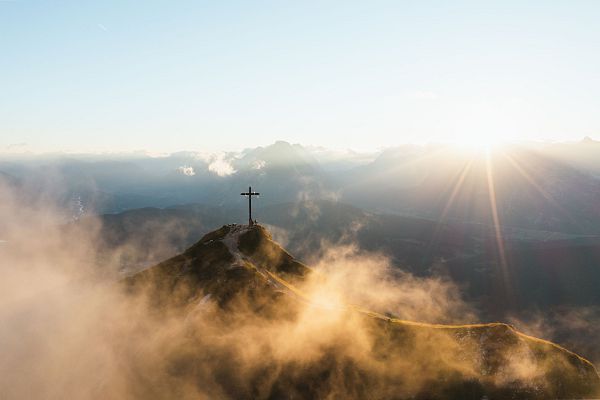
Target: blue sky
pixel 170 75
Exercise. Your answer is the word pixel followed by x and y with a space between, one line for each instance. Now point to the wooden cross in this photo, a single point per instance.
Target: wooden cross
pixel 250 193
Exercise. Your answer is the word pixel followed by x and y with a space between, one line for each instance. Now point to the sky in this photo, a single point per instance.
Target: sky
pixel 225 75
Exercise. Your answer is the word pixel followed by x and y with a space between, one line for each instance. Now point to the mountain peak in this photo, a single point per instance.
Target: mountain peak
pixel 224 264
pixel 253 244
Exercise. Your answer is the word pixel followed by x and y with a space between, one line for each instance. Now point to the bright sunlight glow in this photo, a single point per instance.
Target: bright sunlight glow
pixel 477 143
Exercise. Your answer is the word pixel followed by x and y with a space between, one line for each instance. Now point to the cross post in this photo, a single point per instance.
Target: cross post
pixel 250 193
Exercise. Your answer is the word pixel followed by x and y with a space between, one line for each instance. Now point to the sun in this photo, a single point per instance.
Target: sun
pixel 477 143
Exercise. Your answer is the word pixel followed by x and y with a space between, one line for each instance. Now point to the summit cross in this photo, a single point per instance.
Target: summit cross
pixel 250 193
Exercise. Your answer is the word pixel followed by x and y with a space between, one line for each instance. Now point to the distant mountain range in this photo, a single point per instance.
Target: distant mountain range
pixel 551 187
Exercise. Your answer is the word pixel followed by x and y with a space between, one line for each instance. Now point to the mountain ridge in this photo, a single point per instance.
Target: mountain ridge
pixel 240 265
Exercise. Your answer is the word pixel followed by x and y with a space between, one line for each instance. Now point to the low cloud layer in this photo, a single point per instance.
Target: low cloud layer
pixel 220 165
pixel 371 281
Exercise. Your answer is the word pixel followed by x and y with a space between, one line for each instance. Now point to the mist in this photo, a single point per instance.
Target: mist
pixel 71 329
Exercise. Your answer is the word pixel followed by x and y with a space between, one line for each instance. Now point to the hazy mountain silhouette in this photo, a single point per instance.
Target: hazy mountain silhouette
pixel 550 187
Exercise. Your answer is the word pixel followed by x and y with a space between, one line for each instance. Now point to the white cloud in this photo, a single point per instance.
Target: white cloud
pixel 220 166
pixel 258 164
pixel 187 171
